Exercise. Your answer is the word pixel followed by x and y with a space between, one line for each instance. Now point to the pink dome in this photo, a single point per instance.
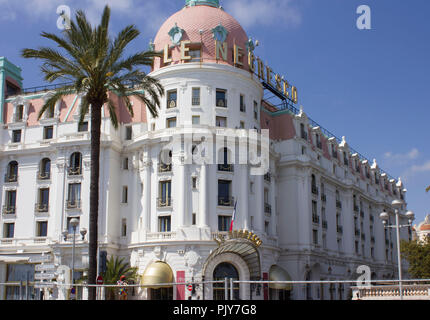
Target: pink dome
pixel 196 18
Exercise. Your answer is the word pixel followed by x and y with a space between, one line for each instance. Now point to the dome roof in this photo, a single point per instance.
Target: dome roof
pixel 197 22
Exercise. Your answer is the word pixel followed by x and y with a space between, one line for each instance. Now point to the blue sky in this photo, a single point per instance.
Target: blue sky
pixel 368 85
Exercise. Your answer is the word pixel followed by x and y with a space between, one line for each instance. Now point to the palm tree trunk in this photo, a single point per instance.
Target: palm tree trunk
pixel 94 197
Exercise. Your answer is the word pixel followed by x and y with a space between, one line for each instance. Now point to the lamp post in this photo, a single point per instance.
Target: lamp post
pixel 74 224
pixel 397 205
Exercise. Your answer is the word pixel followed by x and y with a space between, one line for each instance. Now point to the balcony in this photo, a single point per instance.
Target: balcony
pixel 162 168
pixel 315 190
pixel 43 176
pixel 222 103
pixel 339 229
pixel 325 224
pixel 338 204
pixel 323 198
pixel 41 207
pixel 315 219
pixel 195 101
pixel 226 201
pixel 74 171
pixel 225 168
pixel 268 208
pixel 164 202
pixel 10 178
pixel 9 210
pixel 73 204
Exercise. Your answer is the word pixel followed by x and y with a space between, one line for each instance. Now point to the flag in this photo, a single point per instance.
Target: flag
pixel 234 217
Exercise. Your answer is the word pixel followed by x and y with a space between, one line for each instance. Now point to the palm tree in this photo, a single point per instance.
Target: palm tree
pixel 94 65
pixel 115 268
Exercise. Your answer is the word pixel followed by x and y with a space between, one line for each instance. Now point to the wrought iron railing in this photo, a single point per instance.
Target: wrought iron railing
pixel 164 202
pixel 226 168
pixel 43 175
pixel 9 178
pixel 74 204
pixel 315 219
pixel 74 171
pixel 164 168
pixel 41 207
pixel 226 201
pixel 9 210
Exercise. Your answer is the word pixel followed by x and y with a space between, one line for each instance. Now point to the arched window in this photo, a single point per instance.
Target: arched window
pixel 45 169
pixel 221 272
pixel 75 168
pixel 12 172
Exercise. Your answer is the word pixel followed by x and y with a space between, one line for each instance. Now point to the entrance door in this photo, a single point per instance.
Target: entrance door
pixel 222 271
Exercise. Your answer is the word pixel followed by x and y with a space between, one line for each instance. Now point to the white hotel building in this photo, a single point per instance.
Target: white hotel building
pixel 316 211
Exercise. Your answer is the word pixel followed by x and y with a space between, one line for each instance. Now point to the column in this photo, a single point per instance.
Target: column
pixel 182 185
pixel 203 203
pixel 243 206
pixel 146 199
pixel 273 217
pixel 259 206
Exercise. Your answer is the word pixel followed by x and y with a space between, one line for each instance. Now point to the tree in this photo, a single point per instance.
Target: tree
pixel 115 268
pixel 94 65
pixel 417 253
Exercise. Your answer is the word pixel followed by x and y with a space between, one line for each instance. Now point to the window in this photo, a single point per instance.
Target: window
pixel 128 133
pixel 196 97
pixel 318 141
pixel 12 172
pixel 194 217
pixel 315 237
pixel 221 98
pixel 194 183
pixel 221 122
pixel 45 169
pixel 8 230
pixel 16 136
pixel 195 55
pixel 303 150
pixel 164 224
pixel 345 158
pixel 124 195
pixel 19 113
pixel 125 163
pixel 42 229
pixel 43 203
pixel 124 228
pixel 74 200
pixel 224 193
pixel 48 132
pixel 242 103
pixel 266 227
pixel 83 127
pixel 242 125
pixel 75 168
pixel 196 120
pixel 69 225
pixel 324 240
pixel 171 123
pixel 372 252
pixel 356 247
pixel 255 110
pixel 224 223
pixel 153 127
pixel 165 194
pixel 172 99
pixel 10 202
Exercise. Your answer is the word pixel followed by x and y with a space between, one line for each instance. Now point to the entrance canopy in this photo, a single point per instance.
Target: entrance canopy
pixel 245 249
pixel 158 275
pixel 276 273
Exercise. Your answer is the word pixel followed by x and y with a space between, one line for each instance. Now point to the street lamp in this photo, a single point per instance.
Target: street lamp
pixel 397 205
pixel 74 224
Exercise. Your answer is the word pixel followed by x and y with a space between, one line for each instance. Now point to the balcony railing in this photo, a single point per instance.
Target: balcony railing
pixel 392 292
pixel 315 219
pixel 222 103
pixel 9 210
pixel 74 171
pixel 41 207
pixel 73 204
pixel 225 168
pixel 195 101
pixel 226 201
pixel 164 202
pixel 164 168
pixel 338 204
pixel 43 175
pixel 267 208
pixel 171 104
pixel 9 178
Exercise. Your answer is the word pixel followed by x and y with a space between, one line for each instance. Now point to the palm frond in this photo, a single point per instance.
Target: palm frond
pixel 112 114
pixel 52 101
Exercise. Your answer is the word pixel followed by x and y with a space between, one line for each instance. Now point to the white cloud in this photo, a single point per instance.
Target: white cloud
pixel 402 157
pixel 413 171
pixel 421 168
pixel 264 13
